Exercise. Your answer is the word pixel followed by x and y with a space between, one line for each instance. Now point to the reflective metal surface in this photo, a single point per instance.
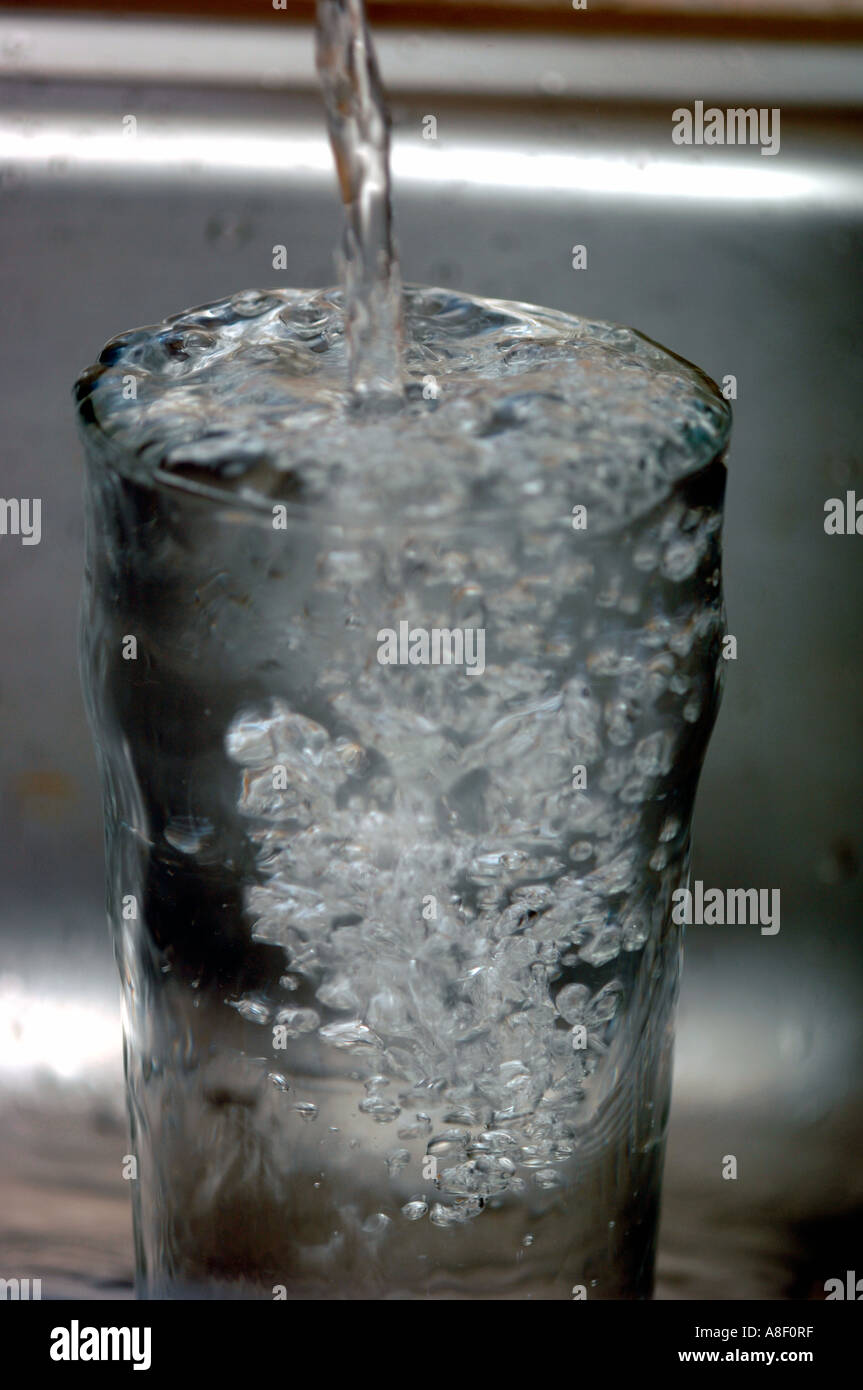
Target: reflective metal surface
pixel 747 265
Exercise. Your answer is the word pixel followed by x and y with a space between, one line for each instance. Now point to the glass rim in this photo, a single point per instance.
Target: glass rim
pixel 104 450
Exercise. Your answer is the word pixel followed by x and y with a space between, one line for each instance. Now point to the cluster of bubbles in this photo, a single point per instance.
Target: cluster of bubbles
pixel 527 407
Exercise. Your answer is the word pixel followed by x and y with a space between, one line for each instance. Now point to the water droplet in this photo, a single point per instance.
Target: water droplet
pixel 415 1209
pixel 670 828
pixel 187 834
pixel 448 1145
pixel 571 1002
pixel 547 1178
pixel 353 1036
pixel 249 740
pixel 652 754
pixel 252 1010
pixel 376 1224
pixel 456 1215
pixel 418 1130
pixel 681 559
pixel 692 711
pixel 297 1021
pixel 603 948
pixel 396 1160
pixel 382 1110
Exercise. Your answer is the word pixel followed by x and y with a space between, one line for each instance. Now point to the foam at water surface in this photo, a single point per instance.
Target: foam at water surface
pixel 506 405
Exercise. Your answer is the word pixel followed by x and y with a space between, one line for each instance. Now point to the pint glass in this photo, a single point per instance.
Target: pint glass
pixel 399 727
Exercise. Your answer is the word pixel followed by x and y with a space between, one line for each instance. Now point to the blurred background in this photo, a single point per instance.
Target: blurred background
pixel 553 130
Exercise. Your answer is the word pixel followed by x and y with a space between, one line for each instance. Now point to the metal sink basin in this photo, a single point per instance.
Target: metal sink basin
pixel 749 266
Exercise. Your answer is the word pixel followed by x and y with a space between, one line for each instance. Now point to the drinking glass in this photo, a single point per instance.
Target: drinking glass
pixel 394 935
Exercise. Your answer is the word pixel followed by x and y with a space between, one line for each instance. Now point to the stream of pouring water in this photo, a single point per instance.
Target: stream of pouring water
pixel 358 123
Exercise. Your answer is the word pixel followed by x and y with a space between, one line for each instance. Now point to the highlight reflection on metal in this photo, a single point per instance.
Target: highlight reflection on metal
pixel 44 1036
pixel 65 144
pixel 589 66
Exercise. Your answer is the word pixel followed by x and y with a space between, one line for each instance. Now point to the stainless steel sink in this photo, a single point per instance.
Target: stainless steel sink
pixel 748 265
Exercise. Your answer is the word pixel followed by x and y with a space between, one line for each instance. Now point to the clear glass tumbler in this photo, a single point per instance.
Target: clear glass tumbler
pixel 394 933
